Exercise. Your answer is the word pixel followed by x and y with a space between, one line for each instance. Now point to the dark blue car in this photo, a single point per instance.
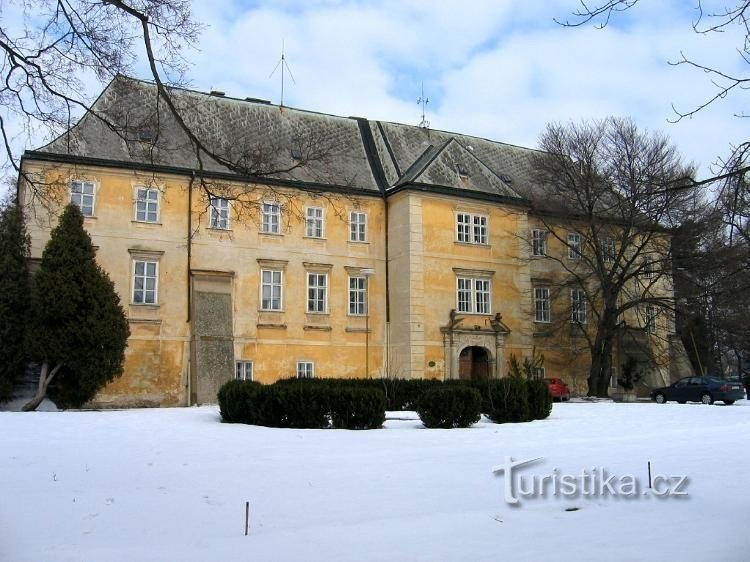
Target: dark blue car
pixel 699 389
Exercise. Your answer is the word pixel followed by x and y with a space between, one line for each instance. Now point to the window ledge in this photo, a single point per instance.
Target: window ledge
pixel 317 327
pixel 217 229
pixel 150 223
pixel 358 242
pixel 272 326
pixel 315 237
pixel 145 306
pixel 472 244
pixel 270 233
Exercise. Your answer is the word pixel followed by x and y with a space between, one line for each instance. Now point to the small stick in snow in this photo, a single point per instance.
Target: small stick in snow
pixel 649 475
pixel 247 517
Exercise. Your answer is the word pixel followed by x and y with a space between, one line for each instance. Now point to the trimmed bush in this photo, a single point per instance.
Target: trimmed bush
pixel 240 402
pixel 449 406
pixel 508 400
pixel 540 399
pixel 302 405
pixel 357 408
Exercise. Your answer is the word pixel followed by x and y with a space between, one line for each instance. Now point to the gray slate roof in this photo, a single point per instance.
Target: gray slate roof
pixel 345 152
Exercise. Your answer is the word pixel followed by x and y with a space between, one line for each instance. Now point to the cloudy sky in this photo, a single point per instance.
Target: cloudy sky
pixel 498 69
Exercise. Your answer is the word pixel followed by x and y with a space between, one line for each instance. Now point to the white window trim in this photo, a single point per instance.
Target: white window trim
pixel 538 239
pixel 322 219
pixel 145 260
pixel 484 229
pixel 364 222
pixel 473 292
pixel 281 290
pixel 649 318
pixel 325 293
pixel 365 292
pixel 213 211
pixel 574 254
pixel 546 299
pixel 135 204
pixel 244 365
pixel 311 370
pixel 608 250
pixel 94 189
pixel 582 311
pixel 275 211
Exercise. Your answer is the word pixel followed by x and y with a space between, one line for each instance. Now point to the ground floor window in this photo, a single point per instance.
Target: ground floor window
pixel 305 369
pixel 243 370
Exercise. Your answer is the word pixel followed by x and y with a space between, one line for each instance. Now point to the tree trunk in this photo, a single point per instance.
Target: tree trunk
pixel 601 357
pixel 45 377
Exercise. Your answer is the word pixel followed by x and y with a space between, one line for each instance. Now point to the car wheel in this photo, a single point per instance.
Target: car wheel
pixel 659 398
pixel 706 398
pixel 728 402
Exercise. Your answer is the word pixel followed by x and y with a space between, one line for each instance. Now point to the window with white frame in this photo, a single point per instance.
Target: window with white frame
pixel 357 296
pixel 314 222
pixel 473 295
pixel 271 289
pixel 145 281
pixel 317 292
pixel 649 316
pixel 574 245
pixel 539 242
pixel 146 204
pixel 357 226
pixel 270 218
pixel 608 250
pixel 471 229
pixel 578 306
pixel 541 304
pixel 539 373
pixel 243 370
pixel 305 369
pixel 219 213
pixel 82 194
pixel 647 268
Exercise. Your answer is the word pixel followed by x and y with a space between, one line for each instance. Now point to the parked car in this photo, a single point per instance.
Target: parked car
pixel 699 389
pixel 558 389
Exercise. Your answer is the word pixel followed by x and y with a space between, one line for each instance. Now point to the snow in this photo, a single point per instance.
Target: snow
pixel 171 484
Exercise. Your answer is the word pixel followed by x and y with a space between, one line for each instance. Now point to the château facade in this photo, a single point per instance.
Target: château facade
pixel 350 248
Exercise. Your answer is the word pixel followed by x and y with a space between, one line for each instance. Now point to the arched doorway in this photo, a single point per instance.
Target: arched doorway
pixel 474 363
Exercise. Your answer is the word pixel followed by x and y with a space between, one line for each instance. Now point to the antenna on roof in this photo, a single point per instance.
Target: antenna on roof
pixel 284 66
pixel 423 101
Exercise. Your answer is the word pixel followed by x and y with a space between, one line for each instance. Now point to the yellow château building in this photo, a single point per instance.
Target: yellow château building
pixel 292 243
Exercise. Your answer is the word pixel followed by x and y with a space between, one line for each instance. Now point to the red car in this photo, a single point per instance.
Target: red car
pixel 558 389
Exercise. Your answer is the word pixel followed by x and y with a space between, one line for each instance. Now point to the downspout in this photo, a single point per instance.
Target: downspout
pixel 188 385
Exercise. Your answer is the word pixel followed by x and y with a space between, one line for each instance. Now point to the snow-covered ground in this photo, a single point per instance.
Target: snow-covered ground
pixel 171 484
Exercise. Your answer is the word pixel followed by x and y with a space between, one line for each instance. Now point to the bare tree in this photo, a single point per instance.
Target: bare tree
pixel 606 204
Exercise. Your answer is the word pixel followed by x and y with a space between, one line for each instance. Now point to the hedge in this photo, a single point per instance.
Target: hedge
pixel 357 408
pixel 540 399
pixel 508 400
pixel 449 406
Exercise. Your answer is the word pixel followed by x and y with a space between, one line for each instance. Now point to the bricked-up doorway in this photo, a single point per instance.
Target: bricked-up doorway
pixel 474 363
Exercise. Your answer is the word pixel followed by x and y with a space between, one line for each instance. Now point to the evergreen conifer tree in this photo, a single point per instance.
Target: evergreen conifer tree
pixel 77 329
pixel 14 295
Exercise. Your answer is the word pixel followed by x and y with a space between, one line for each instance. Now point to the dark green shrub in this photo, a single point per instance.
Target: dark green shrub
pixel 540 399
pixel 402 394
pixel 356 407
pixel 302 405
pixel 508 400
pixel 449 406
pixel 241 402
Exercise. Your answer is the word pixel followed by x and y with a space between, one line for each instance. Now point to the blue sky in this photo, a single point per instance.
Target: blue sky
pixel 499 69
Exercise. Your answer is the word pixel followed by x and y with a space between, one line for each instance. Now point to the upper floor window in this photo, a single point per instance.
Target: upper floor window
pixel 357 296
pixel 541 304
pixel 219 213
pixel 82 194
pixel 649 314
pixel 270 218
pixel 357 226
pixel 270 289
pixel 145 281
pixel 317 292
pixel 314 222
pixel 574 245
pixel 146 204
pixel 647 268
pixel 243 370
pixel 305 369
pixel 471 229
pixel 539 242
pixel 578 306
pixel 473 295
pixel 608 250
